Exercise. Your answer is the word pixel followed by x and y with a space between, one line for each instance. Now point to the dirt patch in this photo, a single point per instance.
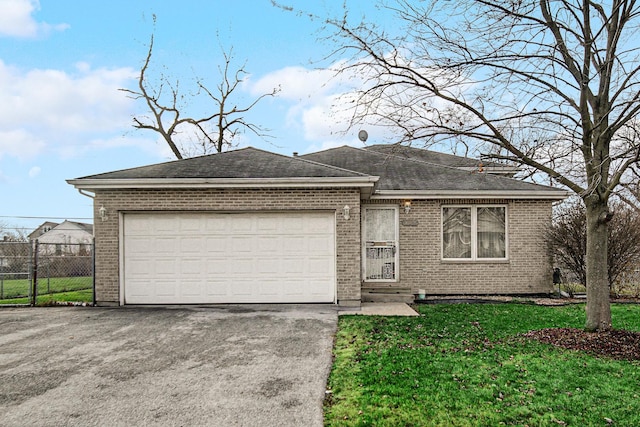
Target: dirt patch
pixel 616 344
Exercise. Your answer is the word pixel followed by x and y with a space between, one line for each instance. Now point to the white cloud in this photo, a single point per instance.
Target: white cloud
pixel 20 143
pixel 55 110
pixel 34 171
pixel 321 103
pixel 296 83
pixel 333 143
pixel 16 19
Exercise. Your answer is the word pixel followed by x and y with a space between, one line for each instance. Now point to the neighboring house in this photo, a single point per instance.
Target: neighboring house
pixel 343 226
pixel 67 238
pixel 42 228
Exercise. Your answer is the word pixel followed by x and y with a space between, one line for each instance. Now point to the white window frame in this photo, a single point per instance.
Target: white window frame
pixel 396 278
pixel 474 232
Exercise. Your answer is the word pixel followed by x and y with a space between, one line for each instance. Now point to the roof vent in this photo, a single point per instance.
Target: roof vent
pixel 295 154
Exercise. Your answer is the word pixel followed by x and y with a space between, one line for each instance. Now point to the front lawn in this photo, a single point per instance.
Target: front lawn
pixel 469 365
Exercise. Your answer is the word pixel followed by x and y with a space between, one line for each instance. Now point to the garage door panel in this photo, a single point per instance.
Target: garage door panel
pixel 241 223
pixel 269 244
pixel 190 267
pixel 293 267
pixel 190 225
pixel 139 267
pixel 229 258
pixel 139 245
pixel 242 287
pixel 216 267
pixel 191 288
pixel 163 245
pixel 191 245
pixel 320 243
pixel 242 244
pixel 294 245
pixel 295 225
pixel 215 225
pixel 165 267
pixel 319 266
pixel 266 267
pixel 165 288
pixel 165 223
pixel 216 288
pixel 319 287
pixel 217 244
pixel 267 224
pixel 270 288
pixel 320 225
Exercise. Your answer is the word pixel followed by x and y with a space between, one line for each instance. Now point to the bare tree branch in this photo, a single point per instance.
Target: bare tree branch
pixel 552 85
pixel 215 130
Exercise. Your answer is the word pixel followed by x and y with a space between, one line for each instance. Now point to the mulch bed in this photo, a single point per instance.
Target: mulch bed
pixel 616 344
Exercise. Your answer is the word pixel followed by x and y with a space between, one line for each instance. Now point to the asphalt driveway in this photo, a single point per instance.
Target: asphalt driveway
pixel 217 366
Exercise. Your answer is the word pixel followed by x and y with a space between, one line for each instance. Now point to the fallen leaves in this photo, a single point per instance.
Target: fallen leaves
pixel 617 344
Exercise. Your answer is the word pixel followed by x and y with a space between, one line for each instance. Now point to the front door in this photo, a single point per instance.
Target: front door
pixel 380 244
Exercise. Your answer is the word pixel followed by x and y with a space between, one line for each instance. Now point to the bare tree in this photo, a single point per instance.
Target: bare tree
pixel 214 130
pixel 568 241
pixel 552 85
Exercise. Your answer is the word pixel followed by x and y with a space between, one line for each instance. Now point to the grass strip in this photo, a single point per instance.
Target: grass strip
pixel 85 295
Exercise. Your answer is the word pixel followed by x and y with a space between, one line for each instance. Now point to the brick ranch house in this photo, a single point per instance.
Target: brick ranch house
pixel 342 226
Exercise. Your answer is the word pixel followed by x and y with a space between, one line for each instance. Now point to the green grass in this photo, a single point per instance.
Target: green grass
pixel 466 365
pixel 20 288
pixel 85 295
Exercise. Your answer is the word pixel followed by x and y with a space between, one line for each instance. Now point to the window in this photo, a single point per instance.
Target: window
pixel 474 232
pixel 380 244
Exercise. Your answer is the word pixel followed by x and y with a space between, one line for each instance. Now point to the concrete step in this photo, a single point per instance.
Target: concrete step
pixel 387 295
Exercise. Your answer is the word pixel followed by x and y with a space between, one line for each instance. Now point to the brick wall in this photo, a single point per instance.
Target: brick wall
pixel 527 271
pixel 210 200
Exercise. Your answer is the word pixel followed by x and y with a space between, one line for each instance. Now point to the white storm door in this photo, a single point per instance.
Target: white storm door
pixel 380 244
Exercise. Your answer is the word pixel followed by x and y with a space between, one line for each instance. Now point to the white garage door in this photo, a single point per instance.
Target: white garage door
pixel 198 258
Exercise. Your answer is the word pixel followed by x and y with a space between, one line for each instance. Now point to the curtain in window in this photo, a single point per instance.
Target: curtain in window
pixel 456 232
pixel 380 225
pixel 491 232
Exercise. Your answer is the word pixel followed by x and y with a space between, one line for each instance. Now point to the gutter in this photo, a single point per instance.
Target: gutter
pixel 100 184
pixel 471 194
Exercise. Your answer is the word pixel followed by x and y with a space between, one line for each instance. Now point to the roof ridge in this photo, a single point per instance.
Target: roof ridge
pixel 437 165
pixel 392 147
pixel 331 166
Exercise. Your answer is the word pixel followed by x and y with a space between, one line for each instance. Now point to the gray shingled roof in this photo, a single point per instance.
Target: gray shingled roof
pixel 244 163
pixel 401 173
pixel 425 155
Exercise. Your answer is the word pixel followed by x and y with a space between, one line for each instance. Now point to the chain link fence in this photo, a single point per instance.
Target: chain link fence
pixel 34 272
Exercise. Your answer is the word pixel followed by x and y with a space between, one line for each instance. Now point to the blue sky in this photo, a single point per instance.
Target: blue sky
pixel 62 63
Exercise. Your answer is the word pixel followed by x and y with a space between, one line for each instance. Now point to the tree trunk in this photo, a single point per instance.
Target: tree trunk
pixel 598 304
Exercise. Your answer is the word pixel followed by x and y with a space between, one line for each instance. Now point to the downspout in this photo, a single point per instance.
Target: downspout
pixel 81 191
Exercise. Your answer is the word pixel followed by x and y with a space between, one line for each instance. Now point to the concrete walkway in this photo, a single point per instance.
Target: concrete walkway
pixel 381 309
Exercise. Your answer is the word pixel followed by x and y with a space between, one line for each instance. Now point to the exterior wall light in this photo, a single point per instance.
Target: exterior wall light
pixel 102 212
pixel 346 212
pixel 407 206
